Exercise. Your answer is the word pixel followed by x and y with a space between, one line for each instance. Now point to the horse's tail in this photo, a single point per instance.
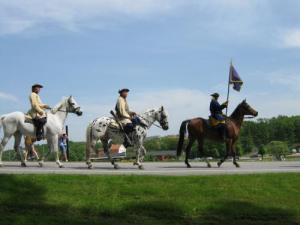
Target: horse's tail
pixel 1 121
pixel 182 132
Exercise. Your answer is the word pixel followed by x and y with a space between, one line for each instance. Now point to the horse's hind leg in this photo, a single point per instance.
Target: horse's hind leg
pixel 188 150
pixel 90 147
pixel 2 146
pixel 18 149
pixel 106 148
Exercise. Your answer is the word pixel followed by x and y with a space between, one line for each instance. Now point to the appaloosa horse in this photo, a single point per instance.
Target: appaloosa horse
pixel 200 129
pixel 101 130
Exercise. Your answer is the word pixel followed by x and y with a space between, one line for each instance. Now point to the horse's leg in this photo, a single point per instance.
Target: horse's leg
pixel 144 151
pixel 18 149
pixel 2 146
pixel 188 150
pixel 139 157
pixel 106 148
pixel 228 143
pixel 201 152
pixel 233 150
pixel 53 147
pixel 90 147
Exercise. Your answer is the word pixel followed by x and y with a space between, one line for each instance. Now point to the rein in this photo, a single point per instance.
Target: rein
pixel 156 125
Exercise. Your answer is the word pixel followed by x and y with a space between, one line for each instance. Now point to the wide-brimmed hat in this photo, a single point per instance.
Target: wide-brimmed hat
pixel 123 90
pixel 37 85
pixel 216 95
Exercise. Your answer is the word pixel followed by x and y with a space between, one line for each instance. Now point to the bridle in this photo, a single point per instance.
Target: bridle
pixel 68 108
pixel 161 121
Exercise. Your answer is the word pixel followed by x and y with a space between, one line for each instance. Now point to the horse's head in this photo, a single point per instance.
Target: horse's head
pixel 162 117
pixel 247 109
pixel 72 106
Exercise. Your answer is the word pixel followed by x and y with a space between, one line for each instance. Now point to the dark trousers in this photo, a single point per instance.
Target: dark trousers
pixel 39 127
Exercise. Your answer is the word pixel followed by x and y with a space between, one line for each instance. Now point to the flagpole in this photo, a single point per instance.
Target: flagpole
pixel 228 88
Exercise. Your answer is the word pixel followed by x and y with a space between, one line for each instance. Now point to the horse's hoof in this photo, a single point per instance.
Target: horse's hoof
pixel 61 166
pixel 116 166
pixel 23 164
pixel 208 165
pixel 135 164
pixel 41 164
pixel 90 166
pixel 237 165
pixel 188 165
pixel 141 167
pixel 219 164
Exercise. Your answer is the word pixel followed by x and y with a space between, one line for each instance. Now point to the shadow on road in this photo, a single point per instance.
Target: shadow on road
pixel 24 202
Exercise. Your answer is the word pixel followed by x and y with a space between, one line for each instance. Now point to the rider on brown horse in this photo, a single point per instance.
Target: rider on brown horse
pixel 217 118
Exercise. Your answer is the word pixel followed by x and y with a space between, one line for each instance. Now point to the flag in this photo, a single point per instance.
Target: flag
pixel 234 78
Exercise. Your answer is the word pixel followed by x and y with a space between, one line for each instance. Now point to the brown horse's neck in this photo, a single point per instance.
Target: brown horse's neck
pixel 237 117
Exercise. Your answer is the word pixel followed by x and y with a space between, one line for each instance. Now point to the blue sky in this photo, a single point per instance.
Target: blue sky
pixel 168 52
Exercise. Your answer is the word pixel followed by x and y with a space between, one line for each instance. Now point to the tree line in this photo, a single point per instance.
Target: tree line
pixel 277 134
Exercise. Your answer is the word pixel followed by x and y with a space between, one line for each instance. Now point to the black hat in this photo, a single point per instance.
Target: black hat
pixel 37 85
pixel 216 95
pixel 123 90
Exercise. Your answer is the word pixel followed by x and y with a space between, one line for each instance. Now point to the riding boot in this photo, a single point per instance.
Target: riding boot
pixel 223 133
pixel 39 126
pixel 127 140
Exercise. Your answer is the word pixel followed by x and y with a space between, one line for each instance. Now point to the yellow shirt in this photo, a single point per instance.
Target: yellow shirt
pixel 123 111
pixel 37 107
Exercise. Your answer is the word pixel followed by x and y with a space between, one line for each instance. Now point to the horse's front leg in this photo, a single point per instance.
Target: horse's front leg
pixel 53 147
pixel 233 150
pixel 138 156
pixel 228 149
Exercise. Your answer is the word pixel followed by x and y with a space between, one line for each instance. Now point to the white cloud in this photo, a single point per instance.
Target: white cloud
pixel 8 97
pixel 17 16
pixel 291 38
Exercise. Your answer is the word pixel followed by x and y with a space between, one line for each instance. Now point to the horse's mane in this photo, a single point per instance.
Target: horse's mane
pixel 235 112
pixel 58 105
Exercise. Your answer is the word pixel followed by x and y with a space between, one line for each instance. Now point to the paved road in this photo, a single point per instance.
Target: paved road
pixel 165 168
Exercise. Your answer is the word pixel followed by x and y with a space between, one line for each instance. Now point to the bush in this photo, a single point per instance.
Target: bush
pixel 277 149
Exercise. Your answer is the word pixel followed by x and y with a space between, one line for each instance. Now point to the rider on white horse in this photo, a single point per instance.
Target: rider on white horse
pixel 37 111
pixel 127 118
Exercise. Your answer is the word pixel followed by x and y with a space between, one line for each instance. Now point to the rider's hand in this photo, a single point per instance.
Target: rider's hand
pixel 225 103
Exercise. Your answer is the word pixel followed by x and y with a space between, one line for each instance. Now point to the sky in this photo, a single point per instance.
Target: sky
pixel 173 53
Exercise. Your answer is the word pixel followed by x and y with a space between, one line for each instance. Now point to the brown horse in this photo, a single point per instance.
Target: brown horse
pixel 200 129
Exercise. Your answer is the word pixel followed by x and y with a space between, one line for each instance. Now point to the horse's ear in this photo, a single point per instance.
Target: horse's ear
pixel 245 100
pixel 162 108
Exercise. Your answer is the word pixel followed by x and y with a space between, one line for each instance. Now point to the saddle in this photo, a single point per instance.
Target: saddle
pixel 214 122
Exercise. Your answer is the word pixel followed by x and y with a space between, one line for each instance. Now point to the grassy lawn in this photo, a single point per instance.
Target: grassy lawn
pixel 61 199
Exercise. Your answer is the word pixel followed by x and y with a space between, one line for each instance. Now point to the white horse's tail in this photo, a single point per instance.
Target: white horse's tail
pixel 1 121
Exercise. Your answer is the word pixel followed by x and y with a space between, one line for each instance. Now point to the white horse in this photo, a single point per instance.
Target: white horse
pixel 101 129
pixel 14 125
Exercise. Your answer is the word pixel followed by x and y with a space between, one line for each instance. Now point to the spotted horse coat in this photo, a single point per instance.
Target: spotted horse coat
pixel 106 130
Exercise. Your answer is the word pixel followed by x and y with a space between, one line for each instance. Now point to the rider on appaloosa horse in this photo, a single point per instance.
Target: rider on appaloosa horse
pixel 127 118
